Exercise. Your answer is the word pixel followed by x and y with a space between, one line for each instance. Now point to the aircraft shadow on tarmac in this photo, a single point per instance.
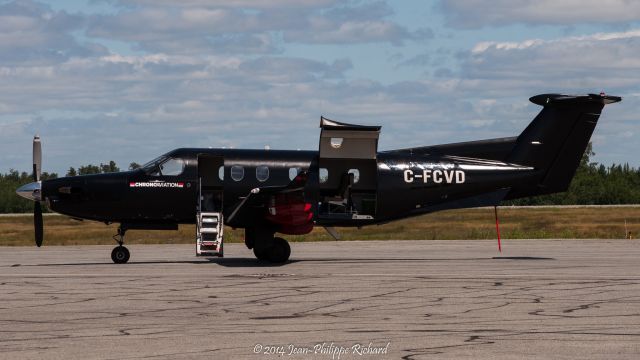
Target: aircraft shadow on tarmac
pixel 251 262
pixel 230 262
pixel 521 258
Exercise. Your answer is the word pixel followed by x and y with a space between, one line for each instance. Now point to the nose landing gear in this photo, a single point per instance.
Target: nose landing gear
pixel 120 254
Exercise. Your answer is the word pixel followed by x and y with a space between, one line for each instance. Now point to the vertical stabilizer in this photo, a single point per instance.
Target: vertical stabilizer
pixel 555 140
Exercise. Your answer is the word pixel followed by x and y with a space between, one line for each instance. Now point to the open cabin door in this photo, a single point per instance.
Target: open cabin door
pixel 348 170
pixel 209 222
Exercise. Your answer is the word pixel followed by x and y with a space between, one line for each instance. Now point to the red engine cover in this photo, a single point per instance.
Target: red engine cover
pixel 291 213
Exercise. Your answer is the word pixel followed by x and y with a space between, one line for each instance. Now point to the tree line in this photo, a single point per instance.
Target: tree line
pixel 593 184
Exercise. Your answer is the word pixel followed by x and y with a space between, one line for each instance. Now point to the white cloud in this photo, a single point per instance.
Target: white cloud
pixel 33 33
pixel 509 72
pixel 251 4
pixel 478 13
pixel 214 78
pixel 602 60
pixel 165 101
pixel 484 46
pixel 328 32
pixel 211 28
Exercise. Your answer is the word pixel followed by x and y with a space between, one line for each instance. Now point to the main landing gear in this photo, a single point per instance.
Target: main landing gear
pixel 266 247
pixel 120 254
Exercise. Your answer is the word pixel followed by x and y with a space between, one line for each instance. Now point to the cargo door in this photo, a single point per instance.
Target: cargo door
pixel 348 171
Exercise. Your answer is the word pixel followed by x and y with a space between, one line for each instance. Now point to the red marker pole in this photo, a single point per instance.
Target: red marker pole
pixel 495 208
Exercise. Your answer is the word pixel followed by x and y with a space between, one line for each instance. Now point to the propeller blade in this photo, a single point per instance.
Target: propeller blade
pixel 37 158
pixel 37 223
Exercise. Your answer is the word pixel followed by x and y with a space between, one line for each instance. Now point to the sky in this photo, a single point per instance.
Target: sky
pixel 127 80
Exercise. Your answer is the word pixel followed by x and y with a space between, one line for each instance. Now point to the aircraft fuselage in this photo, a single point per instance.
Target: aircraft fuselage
pixel 407 185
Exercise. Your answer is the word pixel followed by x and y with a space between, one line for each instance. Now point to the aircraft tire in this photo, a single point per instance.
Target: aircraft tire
pixel 120 255
pixel 261 253
pixel 280 251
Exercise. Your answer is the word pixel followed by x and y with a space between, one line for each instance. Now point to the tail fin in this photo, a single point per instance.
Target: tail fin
pixel 556 139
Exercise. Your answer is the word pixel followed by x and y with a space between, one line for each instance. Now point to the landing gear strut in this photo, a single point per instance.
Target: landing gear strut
pixel 266 247
pixel 120 254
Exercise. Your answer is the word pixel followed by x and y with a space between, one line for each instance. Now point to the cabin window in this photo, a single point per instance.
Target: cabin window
pixel 262 173
pixel 356 175
pixel 293 172
pixel 221 172
pixel 171 167
pixel 336 142
pixel 237 172
pixel 324 175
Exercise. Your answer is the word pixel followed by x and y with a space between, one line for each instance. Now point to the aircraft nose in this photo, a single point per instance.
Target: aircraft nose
pixel 30 191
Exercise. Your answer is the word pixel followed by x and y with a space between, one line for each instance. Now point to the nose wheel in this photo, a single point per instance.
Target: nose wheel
pixel 120 254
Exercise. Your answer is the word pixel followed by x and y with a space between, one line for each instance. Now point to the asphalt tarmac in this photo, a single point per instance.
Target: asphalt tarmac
pixel 542 299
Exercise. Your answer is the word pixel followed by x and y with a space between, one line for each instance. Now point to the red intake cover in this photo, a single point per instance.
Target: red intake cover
pixel 292 214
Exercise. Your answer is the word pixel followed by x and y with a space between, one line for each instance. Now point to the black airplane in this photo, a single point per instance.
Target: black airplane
pixel 347 182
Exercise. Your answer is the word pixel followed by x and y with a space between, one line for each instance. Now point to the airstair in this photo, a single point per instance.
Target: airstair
pixel 209 234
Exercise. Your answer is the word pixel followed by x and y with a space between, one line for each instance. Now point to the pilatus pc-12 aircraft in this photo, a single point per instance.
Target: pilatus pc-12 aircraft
pixel 347 182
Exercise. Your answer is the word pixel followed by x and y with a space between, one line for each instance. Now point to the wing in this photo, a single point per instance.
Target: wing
pixel 282 208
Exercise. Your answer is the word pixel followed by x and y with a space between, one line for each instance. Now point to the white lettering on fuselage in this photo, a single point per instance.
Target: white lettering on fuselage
pixel 156 184
pixel 436 176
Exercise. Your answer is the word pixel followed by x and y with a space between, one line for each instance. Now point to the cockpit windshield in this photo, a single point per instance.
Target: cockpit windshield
pixel 153 164
pixel 164 166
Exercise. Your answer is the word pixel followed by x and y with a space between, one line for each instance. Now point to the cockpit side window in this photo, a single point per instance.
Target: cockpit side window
pixel 169 167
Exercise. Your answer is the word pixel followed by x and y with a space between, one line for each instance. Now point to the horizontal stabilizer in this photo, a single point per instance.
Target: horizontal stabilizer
pixel 553 99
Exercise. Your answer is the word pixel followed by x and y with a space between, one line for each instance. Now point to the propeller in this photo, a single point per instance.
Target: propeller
pixel 37 158
pixel 37 223
pixel 37 208
pixel 495 209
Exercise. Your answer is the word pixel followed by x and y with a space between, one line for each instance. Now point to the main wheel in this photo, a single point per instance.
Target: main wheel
pixel 261 253
pixel 120 254
pixel 280 251
pixel 249 239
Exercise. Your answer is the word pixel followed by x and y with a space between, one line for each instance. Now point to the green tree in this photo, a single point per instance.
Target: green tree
pixel 88 170
pixel 594 184
pixel 109 168
pixel 10 202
